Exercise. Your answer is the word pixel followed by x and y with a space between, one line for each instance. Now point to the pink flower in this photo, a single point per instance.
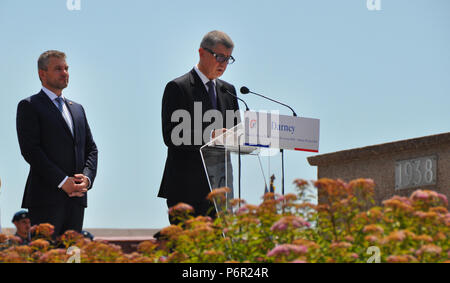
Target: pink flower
pixel 279 226
pixel 419 195
pixel 181 208
pixel 290 220
pixel 396 236
pixel 373 228
pixel 401 258
pixel 242 210
pixel 287 249
pixel 443 198
pixel 430 249
pixel 342 245
pixel 427 195
pixel 371 239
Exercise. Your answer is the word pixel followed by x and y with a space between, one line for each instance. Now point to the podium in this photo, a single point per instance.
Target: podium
pixel 222 162
pixel 260 134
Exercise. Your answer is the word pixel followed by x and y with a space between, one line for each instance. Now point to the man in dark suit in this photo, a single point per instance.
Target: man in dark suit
pixel 55 139
pixel 184 178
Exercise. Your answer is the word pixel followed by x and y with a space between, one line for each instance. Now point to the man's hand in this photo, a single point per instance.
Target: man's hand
pixel 218 132
pixel 72 188
pixel 82 180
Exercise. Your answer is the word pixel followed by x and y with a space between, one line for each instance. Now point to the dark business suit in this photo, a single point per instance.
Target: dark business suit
pixel 184 178
pixel 53 153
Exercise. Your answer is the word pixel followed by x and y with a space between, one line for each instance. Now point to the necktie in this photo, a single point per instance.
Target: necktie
pixel 212 93
pixel 59 102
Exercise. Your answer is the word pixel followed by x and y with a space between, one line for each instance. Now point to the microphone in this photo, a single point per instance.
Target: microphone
pixel 224 89
pixel 245 90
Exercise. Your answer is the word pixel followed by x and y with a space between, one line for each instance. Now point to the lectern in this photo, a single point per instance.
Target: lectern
pixel 225 156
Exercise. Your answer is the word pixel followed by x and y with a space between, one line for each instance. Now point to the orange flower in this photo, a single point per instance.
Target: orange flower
pixel 349 239
pixel 440 236
pixel 309 244
pixel 11 257
pixel 172 230
pixel 248 208
pixel 147 247
pixel 340 245
pixel 40 244
pixel 237 202
pixel 45 230
pixel 249 220
pixel 54 256
pixel 371 239
pixel 199 231
pixel 333 190
pixel 71 237
pixel 430 249
pixel 426 215
pixel 439 210
pixel 289 221
pixel 24 250
pixel 373 228
pixel 213 253
pixel 397 204
pixel 181 208
pixel 288 198
pixel 423 238
pixel 199 220
pixel 177 257
pixel 401 259
pixel 398 236
pixel 218 194
pixel 367 184
pixel 429 197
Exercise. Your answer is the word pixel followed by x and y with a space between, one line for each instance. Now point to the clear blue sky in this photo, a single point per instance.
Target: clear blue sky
pixel 370 76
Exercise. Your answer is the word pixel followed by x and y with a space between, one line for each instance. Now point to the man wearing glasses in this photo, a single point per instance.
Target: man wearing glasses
pixel 184 178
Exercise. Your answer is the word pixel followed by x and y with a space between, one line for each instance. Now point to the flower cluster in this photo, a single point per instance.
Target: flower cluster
pixel 343 227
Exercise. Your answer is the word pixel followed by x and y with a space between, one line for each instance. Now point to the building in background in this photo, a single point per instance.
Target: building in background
pixel 397 168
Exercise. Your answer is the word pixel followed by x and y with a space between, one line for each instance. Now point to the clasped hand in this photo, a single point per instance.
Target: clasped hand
pixel 76 186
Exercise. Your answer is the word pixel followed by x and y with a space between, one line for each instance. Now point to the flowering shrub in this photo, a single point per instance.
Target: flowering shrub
pixel 342 228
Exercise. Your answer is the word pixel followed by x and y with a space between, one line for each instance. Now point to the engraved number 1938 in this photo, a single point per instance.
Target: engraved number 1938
pixel 415 172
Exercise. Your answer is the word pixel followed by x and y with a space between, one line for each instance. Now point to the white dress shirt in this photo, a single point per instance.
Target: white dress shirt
pixel 204 79
pixel 65 113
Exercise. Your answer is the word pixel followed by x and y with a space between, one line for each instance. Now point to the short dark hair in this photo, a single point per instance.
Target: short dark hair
pixel 45 57
pixel 212 38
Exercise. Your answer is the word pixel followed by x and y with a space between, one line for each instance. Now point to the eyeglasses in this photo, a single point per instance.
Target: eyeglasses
pixel 220 57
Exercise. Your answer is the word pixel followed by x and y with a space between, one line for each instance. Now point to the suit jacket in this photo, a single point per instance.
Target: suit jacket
pixel 53 153
pixel 184 176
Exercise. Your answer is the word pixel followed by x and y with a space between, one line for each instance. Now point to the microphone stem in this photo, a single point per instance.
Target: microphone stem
pixel 295 114
pixel 240 99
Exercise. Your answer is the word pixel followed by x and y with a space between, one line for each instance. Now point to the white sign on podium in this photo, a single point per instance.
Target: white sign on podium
pixel 280 131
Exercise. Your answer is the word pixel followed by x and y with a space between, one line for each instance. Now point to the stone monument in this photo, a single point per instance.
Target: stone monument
pixel 397 168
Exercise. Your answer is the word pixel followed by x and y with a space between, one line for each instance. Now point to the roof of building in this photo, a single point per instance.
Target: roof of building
pixel 379 149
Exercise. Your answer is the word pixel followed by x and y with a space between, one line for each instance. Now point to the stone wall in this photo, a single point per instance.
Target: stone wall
pixel 378 162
